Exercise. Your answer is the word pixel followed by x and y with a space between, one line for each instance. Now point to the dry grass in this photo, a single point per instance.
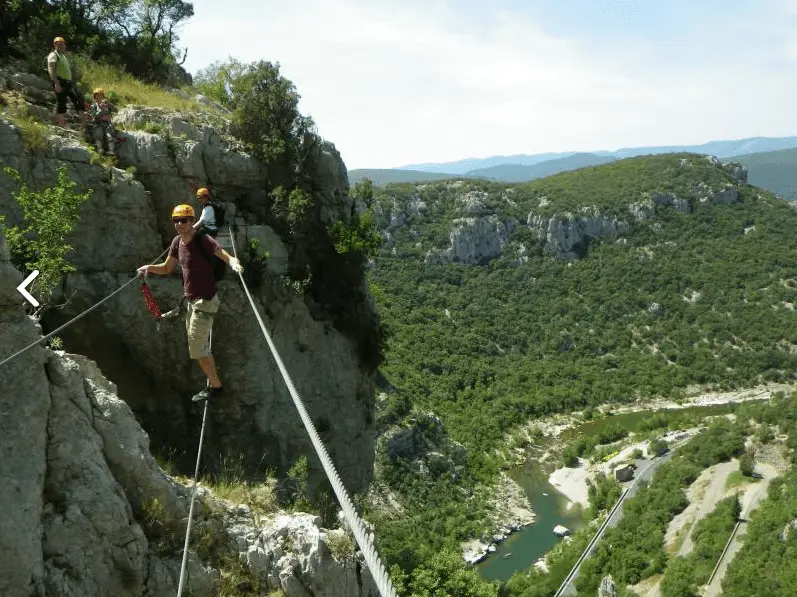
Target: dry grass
pixel 122 88
pixel 34 132
pixel 232 486
pixel 237 580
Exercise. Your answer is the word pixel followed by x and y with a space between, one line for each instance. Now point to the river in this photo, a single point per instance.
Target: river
pixel 522 549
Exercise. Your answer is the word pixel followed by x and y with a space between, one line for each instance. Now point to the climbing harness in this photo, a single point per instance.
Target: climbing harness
pixel 176 311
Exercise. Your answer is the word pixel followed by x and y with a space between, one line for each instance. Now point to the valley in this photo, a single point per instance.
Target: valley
pixel 559 329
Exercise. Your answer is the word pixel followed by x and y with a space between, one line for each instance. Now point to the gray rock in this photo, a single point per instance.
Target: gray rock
pixel 79 476
pixel 416 206
pixel 736 171
pixel 119 208
pixel 474 241
pixel 726 196
pixel 642 210
pixel 423 444
pixel 127 223
pixel 92 543
pixel 669 199
pixel 33 81
pixel 477 240
pixel 268 240
pixel 566 236
pixel 788 531
pixel 607 587
pixel 472 203
pixel 24 404
pixel 293 553
pixel 396 217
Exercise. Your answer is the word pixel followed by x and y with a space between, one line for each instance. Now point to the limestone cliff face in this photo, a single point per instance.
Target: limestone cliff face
pixel 474 241
pixel 478 233
pixel 127 223
pixel 79 483
pixel 566 236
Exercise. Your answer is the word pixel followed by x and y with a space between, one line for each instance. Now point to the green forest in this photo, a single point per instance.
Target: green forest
pixel 489 347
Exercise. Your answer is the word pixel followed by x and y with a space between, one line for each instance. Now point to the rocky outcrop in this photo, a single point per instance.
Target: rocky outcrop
pixel 607 587
pixel 736 171
pixel 91 506
pixel 789 530
pixel 295 554
pixel 126 223
pixel 472 203
pixel 646 208
pixel 474 241
pixel 510 511
pixel 567 236
pixel 670 200
pixel 423 445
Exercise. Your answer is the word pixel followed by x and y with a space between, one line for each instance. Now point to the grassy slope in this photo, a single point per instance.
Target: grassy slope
pixel 549 335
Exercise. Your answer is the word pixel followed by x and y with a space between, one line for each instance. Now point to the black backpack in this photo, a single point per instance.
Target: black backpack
pixel 218 210
pixel 219 266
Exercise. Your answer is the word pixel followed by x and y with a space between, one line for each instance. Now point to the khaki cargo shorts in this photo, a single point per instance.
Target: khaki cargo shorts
pixel 199 325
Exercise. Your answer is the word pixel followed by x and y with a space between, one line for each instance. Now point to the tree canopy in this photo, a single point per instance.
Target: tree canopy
pixel 142 36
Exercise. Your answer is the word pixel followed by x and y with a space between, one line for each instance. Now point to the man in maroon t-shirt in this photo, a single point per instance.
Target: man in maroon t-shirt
pixel 199 288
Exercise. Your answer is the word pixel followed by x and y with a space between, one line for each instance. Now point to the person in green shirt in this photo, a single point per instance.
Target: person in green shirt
pixel 61 76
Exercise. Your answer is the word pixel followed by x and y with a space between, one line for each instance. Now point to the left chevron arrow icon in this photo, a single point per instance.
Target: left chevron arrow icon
pixel 23 288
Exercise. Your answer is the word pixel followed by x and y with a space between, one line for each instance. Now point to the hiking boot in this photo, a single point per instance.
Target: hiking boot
pixel 207 393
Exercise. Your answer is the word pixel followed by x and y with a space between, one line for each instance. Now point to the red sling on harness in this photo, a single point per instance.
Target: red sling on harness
pixel 152 306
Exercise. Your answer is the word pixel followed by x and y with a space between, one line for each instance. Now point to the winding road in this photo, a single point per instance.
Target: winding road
pixel 644 472
pixel 750 501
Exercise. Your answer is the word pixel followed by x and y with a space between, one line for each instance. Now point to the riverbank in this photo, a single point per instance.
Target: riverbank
pixel 511 512
pixel 699 397
pixel 540 441
pixel 552 427
pixel 573 483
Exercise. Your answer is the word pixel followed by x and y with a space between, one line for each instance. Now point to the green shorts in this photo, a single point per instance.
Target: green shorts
pixel 199 325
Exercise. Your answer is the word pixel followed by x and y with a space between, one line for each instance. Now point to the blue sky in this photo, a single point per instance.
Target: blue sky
pixel 392 82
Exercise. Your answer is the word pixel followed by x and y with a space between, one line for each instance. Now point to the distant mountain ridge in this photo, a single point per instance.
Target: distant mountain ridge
pixel 771 162
pixel 721 149
pixel 524 173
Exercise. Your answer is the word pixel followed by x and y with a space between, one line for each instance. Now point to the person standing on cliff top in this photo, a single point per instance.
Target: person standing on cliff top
pixel 61 76
pixel 199 288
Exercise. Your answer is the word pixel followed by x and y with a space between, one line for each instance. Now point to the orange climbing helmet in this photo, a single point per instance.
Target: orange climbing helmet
pixel 183 211
pixel 59 38
pixel 203 192
pixel 97 91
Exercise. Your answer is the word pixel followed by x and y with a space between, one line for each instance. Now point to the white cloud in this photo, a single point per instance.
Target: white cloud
pixel 396 82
